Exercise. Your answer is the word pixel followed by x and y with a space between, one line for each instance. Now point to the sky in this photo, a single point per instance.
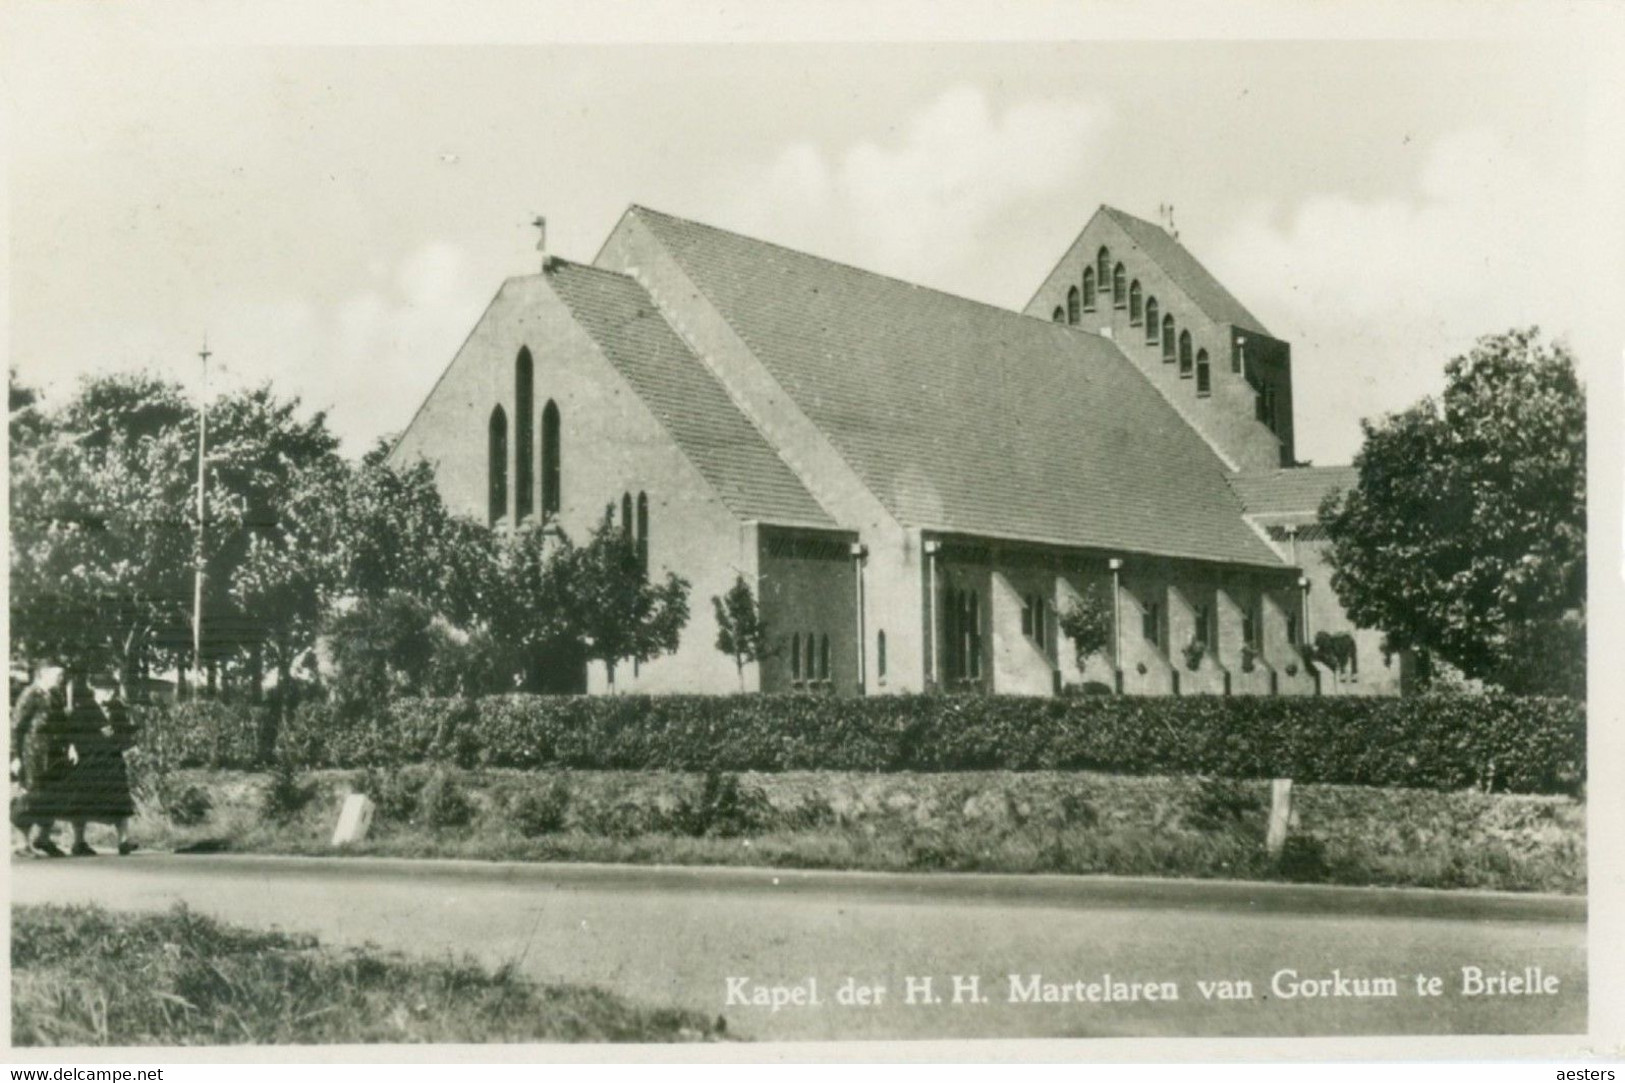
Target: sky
pixel 335 215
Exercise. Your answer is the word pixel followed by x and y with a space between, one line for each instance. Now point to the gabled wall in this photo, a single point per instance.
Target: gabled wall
pixel 893 567
pixel 611 444
pixel 1242 361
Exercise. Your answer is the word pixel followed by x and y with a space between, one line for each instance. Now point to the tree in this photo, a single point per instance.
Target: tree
pixel 1465 535
pixel 101 533
pixel 740 632
pixel 104 523
pixel 1088 622
pixel 393 532
pixel 613 611
pixel 530 612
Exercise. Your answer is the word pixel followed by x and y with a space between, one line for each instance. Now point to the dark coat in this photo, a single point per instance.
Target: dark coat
pixel 39 741
pixel 98 786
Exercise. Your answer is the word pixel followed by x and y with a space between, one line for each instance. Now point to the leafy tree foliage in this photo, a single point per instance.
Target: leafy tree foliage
pixel 1088 623
pixel 741 635
pixel 1465 535
pixel 612 609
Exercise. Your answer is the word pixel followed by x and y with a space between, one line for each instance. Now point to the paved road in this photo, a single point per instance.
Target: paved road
pixel 676 936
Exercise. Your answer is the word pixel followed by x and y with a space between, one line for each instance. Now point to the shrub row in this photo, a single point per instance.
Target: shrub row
pixel 1519 744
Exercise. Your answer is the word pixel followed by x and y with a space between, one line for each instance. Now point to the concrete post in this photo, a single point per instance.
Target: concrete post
pixel 1116 565
pixel 1280 815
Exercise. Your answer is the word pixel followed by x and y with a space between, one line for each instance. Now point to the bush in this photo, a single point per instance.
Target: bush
pixel 1495 742
pixel 393 793
pixel 726 808
pixel 537 813
pixel 285 795
pixel 186 806
pixel 444 803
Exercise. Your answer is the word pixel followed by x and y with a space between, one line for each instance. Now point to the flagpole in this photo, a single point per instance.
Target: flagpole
pixel 197 590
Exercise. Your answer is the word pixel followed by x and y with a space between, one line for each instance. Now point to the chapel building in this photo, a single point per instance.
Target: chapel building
pixel 915 485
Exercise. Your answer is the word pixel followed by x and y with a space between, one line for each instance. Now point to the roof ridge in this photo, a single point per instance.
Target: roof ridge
pixel 662 414
pixel 849 266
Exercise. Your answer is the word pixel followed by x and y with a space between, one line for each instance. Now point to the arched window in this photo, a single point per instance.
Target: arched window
pixel 643 532
pixel 1168 341
pixel 1088 289
pixel 823 657
pixel 627 536
pixel 1204 378
pixel 1119 290
pixel 496 465
pixel 880 655
pixel 1072 305
pixel 1184 353
pixel 973 638
pixel 795 657
pixel 1103 274
pixel 1135 310
pixel 1153 328
pixel 552 469
pixel 524 444
pixel 1060 314
pixel 809 664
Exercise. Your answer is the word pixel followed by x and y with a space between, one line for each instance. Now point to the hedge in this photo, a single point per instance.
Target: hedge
pixel 1520 744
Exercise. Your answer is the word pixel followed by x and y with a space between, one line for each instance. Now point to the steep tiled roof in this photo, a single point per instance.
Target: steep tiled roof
pixel 1205 291
pixel 747 474
pixel 964 417
pixel 1291 490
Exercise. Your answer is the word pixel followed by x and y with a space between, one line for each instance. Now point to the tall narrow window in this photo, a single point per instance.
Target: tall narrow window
pixel 1204 378
pixel 809 664
pixel 1088 289
pixel 1119 290
pixel 1153 328
pixel 973 641
pixel 496 465
pixel 552 469
pixel 880 654
pixel 1135 308
pixel 1292 629
pixel 823 657
pixel 628 537
pixel 1204 619
pixel 1072 305
pixel 643 532
pixel 1103 263
pixel 1185 353
pixel 524 443
pixel 795 657
pixel 1151 624
pixel 1060 314
pixel 1168 339
pixel 1027 615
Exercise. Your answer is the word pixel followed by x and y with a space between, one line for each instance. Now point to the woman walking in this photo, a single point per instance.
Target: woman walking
pixel 100 783
pixel 39 743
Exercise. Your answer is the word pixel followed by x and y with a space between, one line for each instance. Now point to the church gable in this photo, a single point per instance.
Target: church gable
pixel 570 389
pixel 1213 360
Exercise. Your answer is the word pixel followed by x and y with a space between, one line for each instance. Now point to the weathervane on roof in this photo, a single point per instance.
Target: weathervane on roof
pixel 1165 211
pixel 540 223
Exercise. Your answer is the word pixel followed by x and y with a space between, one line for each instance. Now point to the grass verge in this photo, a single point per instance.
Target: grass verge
pixel 85 976
pixel 990 821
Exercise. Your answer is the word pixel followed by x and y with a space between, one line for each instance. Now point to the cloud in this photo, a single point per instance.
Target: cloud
pixel 920 206
pixel 369 356
pixel 1376 295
